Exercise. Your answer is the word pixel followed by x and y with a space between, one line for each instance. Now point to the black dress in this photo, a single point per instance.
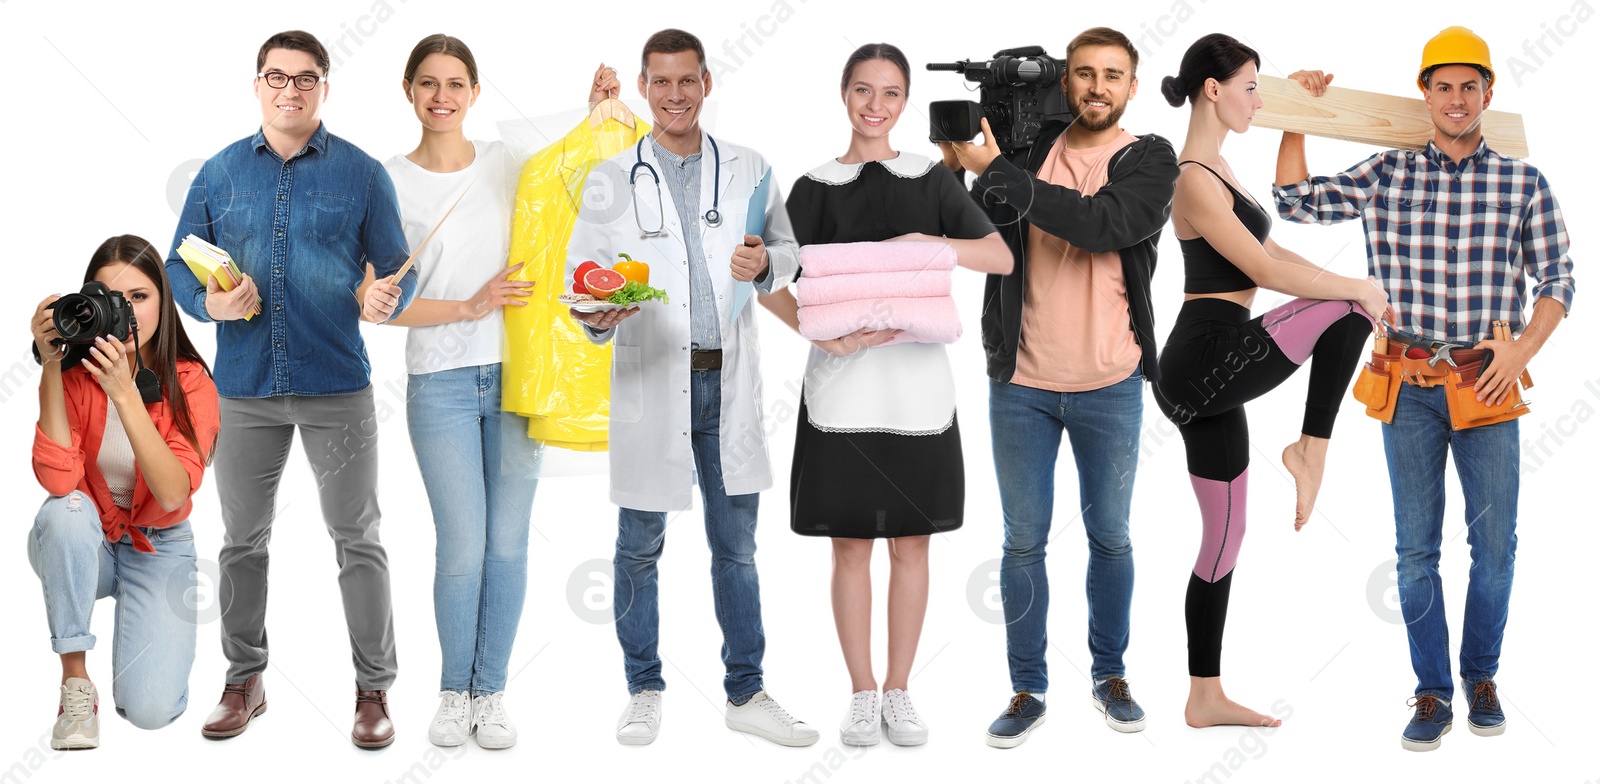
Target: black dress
pixel 879 453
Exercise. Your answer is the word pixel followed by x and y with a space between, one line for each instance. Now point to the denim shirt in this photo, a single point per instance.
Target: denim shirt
pixel 683 181
pixel 304 229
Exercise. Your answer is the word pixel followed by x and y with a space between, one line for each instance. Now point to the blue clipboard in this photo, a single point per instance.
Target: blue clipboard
pixel 755 222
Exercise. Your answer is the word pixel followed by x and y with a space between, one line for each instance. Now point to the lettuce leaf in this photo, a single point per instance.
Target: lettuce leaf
pixel 635 292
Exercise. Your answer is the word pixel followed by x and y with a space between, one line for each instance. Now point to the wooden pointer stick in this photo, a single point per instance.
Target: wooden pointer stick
pixel 406 267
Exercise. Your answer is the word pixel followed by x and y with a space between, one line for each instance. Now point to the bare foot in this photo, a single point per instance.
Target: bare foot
pixel 1209 707
pixel 1305 460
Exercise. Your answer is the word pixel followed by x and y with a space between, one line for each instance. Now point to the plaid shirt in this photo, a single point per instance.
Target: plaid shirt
pixel 1452 244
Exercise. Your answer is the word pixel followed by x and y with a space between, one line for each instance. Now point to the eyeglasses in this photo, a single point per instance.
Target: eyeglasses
pixel 278 80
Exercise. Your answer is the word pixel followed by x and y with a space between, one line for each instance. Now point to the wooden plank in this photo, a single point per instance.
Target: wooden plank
pixel 1386 121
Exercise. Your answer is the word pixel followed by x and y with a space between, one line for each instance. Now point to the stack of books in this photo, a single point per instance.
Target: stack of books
pixel 209 261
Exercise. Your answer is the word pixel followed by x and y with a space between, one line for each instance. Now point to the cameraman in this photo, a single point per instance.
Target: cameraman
pixel 120 474
pixel 1070 337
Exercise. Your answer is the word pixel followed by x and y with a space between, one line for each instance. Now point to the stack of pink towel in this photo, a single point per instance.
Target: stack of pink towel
pixel 844 287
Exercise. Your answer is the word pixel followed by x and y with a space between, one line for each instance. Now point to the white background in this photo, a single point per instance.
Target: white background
pixel 110 109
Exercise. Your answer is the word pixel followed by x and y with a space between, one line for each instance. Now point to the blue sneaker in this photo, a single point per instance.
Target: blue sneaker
pixel 1484 716
pixel 1115 702
pixel 1013 726
pixel 1428 724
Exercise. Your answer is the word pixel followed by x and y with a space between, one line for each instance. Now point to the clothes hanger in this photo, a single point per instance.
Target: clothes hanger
pixel 611 109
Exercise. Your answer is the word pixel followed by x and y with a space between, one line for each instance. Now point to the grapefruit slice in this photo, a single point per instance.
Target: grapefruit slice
pixel 602 282
pixel 577 276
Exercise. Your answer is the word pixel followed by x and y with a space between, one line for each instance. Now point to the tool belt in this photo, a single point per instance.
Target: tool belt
pixel 1395 362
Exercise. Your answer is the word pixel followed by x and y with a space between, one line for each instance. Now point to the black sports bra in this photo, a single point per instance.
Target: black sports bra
pixel 1205 271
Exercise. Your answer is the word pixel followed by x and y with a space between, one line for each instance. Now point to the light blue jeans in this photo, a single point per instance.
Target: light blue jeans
pixel 1102 426
pixel 153 648
pixel 1488 464
pixel 480 470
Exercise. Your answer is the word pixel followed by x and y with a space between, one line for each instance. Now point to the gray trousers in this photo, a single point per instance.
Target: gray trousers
pixel 340 437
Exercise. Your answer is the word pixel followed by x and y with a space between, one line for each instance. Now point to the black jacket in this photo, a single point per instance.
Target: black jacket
pixel 1125 215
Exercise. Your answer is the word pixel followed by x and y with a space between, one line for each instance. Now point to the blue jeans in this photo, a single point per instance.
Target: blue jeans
pixel 1488 460
pixel 1103 428
pixel 731 533
pixel 153 648
pixel 480 470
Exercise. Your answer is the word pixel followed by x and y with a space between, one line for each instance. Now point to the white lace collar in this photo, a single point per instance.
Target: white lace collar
pixel 905 164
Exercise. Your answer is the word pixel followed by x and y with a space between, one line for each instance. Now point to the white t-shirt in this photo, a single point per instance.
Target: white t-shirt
pixel 116 459
pixel 471 247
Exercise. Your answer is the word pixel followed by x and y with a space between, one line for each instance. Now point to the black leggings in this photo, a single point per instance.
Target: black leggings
pixel 1217 359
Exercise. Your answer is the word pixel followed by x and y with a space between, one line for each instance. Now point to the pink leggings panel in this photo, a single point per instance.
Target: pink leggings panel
pixel 1297 325
pixel 1222 520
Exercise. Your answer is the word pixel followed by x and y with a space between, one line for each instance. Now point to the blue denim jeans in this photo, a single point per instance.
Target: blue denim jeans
pixel 480 469
pixel 1488 463
pixel 731 533
pixel 1103 427
pixel 153 648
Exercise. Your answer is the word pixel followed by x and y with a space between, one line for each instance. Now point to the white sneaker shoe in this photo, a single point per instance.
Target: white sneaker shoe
pixel 453 721
pixel 900 719
pixel 641 720
pixel 490 722
pixel 860 725
pixel 763 716
pixel 78 721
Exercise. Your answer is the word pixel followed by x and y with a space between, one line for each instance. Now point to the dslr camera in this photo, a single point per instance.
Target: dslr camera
pixel 92 312
pixel 1020 90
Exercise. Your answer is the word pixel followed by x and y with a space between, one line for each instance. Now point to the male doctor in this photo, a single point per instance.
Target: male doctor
pixel 685 376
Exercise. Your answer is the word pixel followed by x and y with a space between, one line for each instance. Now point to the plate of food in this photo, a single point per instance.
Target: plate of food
pixel 589 303
pixel 595 289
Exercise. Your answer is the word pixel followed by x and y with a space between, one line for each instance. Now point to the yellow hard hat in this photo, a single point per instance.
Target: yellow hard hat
pixel 1455 46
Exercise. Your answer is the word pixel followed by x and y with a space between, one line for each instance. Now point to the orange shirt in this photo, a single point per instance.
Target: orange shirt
pixel 62 469
pixel 1076 333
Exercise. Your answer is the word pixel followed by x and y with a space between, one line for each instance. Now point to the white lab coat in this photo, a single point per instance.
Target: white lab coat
pixel 652 461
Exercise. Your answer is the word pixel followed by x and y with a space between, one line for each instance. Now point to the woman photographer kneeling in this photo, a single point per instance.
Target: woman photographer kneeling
pixel 120 474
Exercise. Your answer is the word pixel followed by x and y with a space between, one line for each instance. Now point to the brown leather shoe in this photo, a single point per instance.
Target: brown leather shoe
pixel 373 729
pixel 240 703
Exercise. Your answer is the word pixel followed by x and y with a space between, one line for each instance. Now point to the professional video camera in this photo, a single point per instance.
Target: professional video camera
pixel 1020 90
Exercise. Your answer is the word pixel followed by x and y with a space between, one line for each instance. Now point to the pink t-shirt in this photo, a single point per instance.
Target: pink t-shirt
pixel 1076 335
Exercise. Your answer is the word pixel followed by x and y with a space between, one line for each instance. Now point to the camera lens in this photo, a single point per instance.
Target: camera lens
pixel 78 319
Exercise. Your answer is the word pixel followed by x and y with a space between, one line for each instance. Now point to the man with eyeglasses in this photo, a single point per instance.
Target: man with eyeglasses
pixel 303 212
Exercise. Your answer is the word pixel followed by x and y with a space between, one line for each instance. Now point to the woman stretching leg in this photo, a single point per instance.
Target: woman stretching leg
pixel 1218 358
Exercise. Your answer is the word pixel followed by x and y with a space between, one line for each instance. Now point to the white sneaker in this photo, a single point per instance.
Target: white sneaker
pixel 490 722
pixel 453 721
pixel 904 727
pixel 763 716
pixel 78 721
pixel 860 725
pixel 641 720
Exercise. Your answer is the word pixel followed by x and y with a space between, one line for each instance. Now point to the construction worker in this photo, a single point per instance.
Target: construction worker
pixel 1452 230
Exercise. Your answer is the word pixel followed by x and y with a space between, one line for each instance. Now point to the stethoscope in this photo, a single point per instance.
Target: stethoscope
pixel 713 216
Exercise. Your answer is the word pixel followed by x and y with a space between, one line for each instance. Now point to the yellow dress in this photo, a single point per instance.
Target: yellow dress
pixel 552 374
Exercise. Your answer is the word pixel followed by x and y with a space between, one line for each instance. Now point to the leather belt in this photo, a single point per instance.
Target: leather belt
pixel 705 359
